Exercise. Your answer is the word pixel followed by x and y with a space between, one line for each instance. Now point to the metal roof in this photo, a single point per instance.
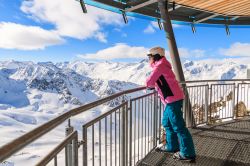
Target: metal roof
pixel 200 12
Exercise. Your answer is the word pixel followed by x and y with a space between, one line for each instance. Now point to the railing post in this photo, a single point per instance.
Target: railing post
pixel 233 100
pixel 84 146
pixel 75 150
pixel 123 135
pixel 237 102
pixel 159 109
pixel 155 119
pixel 206 103
pixel 130 132
pixel 68 149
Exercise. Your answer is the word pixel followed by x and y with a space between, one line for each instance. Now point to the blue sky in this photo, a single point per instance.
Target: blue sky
pixel 45 30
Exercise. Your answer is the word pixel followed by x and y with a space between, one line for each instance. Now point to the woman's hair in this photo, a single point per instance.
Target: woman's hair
pixel 157 57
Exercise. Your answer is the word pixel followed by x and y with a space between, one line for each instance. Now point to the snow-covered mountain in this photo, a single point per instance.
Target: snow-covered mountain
pixel 28 84
pixel 31 94
pixel 211 69
pixel 137 72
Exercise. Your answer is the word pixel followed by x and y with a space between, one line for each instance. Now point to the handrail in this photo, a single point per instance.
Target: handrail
pixel 202 81
pixel 49 157
pixel 14 146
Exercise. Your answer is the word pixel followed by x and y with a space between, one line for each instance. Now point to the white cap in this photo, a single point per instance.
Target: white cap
pixel 157 50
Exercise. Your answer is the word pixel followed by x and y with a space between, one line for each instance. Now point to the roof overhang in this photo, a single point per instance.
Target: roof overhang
pixel 206 12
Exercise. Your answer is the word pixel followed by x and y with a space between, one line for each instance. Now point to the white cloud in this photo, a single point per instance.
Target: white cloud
pixel 17 36
pixel 153 26
pixel 118 51
pixel 149 29
pixel 187 53
pixel 101 37
pixel 69 20
pixel 176 25
pixel 156 25
pixel 237 49
pixel 124 51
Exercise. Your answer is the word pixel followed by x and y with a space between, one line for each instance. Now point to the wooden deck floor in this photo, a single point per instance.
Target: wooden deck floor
pixel 226 144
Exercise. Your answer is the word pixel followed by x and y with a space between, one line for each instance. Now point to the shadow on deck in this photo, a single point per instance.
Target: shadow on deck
pixel 225 144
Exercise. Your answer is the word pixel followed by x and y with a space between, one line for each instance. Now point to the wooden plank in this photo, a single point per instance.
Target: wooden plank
pixel 238 8
pixel 224 7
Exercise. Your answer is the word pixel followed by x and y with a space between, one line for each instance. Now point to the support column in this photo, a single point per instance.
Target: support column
pixel 174 54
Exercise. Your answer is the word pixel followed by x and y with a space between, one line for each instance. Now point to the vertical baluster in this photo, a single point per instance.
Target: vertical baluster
pixel 123 137
pixel 210 102
pixel 206 103
pixel 93 145
pixel 248 88
pixel 115 138
pixel 142 127
pixel 233 100
pixel 135 111
pixel 85 147
pixel 106 160
pixel 138 129
pixel 75 150
pixel 110 140
pixel 160 109
pixel 130 132
pixel 148 121
pixel 119 139
pixel 238 94
pixel 202 103
pixel 55 161
pixel 145 128
pixel 151 122
pixel 100 143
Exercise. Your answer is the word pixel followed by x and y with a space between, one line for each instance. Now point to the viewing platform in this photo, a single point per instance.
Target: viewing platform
pixel 225 144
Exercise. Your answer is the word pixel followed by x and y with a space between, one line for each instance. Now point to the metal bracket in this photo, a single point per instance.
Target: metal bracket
pixel 159 24
pixel 227 30
pixel 193 28
pixel 124 17
pixel 227 27
pixel 84 9
pixel 81 142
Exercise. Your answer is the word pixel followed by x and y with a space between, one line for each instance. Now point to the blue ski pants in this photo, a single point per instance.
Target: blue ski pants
pixel 177 135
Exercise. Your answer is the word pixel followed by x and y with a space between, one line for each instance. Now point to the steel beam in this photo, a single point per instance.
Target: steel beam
pixel 148 3
pixel 141 5
pixel 205 18
pixel 176 7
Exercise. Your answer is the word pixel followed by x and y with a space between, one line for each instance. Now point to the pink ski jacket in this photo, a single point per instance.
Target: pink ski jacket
pixel 163 79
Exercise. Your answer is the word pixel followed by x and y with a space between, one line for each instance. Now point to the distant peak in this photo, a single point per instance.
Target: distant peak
pixel 188 63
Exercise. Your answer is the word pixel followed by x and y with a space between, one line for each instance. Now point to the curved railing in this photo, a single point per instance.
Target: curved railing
pixel 17 144
pixel 213 101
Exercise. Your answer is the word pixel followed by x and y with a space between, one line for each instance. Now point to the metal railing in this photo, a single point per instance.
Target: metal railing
pixel 130 130
pixel 125 134
pixel 214 101
pixel 70 142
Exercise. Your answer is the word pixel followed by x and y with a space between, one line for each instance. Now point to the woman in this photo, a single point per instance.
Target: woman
pixel 179 140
